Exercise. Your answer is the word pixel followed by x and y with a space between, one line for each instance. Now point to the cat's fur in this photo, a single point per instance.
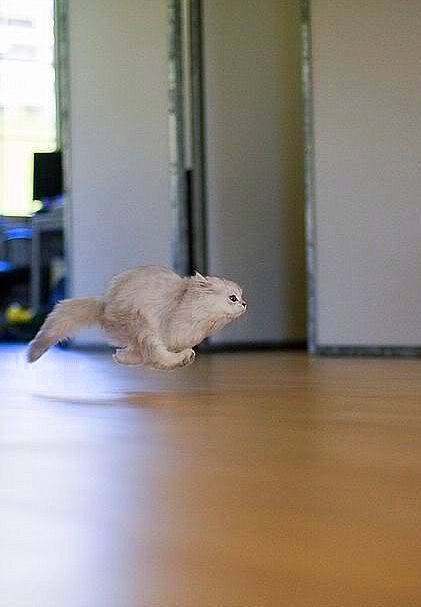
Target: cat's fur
pixel 151 314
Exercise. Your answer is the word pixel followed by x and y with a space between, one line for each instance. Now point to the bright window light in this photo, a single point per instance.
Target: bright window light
pixel 27 97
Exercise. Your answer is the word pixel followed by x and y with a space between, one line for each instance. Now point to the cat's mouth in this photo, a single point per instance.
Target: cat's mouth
pixel 242 310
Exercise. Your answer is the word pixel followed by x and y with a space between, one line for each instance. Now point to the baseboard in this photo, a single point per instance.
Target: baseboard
pixel 85 347
pixel 295 346
pixel 369 351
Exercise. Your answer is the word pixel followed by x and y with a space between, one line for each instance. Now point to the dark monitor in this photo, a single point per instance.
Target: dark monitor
pixel 48 175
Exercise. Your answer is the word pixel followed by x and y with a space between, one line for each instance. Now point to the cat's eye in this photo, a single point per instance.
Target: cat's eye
pixel 233 298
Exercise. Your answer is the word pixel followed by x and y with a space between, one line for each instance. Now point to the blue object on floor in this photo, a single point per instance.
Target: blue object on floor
pixel 6 266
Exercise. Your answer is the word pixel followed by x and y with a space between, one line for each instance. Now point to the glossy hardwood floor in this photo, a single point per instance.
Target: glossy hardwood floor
pixel 254 480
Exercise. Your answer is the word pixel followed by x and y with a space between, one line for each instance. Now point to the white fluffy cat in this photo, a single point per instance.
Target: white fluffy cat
pixel 151 314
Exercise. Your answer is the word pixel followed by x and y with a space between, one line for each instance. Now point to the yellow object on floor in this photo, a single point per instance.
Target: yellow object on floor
pixel 17 314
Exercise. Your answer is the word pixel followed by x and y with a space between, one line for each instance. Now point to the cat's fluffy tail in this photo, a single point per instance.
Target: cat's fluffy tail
pixel 65 321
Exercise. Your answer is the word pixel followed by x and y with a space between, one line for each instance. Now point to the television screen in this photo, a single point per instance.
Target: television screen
pixel 48 175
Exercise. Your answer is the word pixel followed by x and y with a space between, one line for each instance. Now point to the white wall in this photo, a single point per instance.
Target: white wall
pixel 120 215
pixel 367 128
pixel 254 154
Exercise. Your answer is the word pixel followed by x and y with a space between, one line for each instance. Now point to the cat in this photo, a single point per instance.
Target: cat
pixel 151 314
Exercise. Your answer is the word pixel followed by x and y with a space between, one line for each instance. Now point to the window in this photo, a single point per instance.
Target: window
pixel 27 97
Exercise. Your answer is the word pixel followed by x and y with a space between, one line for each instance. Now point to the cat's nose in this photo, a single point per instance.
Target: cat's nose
pixel 244 305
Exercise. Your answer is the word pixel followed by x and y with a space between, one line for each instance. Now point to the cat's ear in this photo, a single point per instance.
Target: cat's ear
pixel 201 279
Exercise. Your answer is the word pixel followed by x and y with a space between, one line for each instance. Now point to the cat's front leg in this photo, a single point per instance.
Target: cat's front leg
pixel 165 360
pixel 189 356
pixel 128 356
pixel 157 356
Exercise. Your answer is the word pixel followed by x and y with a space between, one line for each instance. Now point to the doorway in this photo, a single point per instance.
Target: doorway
pixel 236 121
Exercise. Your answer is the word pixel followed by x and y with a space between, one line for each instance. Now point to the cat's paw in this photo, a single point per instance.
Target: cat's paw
pixel 124 356
pixel 188 358
pixel 172 361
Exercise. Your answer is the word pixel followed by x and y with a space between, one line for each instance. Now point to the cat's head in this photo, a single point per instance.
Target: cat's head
pixel 223 297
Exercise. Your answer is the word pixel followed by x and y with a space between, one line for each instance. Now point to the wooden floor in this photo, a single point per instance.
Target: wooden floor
pixel 254 480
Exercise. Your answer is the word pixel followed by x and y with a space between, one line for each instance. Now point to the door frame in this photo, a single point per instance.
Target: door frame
pixel 187 136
